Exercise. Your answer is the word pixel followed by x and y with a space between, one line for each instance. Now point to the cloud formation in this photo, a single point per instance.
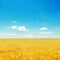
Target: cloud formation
pixel 13 27
pixel 5 33
pixel 43 28
pixel 28 35
pixel 22 28
pixel 44 33
pixel 19 28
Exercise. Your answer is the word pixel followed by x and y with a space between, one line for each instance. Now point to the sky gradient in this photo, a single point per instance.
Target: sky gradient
pixel 30 18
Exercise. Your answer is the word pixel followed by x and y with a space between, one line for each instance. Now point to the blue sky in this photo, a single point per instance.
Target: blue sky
pixel 29 18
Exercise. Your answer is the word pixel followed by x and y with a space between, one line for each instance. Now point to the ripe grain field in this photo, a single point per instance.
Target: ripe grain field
pixel 30 49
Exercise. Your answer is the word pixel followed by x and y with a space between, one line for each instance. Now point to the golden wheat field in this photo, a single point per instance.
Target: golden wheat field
pixel 30 49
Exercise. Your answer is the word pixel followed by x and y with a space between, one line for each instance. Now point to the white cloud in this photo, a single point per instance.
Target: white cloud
pixel 6 34
pixel 45 33
pixel 28 35
pixel 12 34
pixel 13 27
pixel 44 28
pixel 22 28
pixel 3 33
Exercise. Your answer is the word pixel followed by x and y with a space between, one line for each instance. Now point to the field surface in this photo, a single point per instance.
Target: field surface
pixel 30 49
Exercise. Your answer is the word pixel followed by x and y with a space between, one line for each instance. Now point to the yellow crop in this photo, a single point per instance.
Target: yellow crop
pixel 30 49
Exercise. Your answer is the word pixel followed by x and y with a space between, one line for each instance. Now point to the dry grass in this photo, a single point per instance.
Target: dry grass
pixel 30 49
